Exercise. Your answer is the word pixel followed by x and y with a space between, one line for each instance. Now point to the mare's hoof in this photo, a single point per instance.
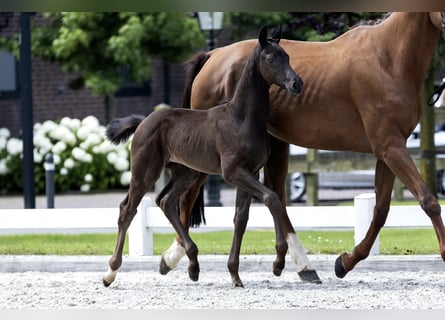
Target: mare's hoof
pixel 309 276
pixel 163 267
pixel 340 270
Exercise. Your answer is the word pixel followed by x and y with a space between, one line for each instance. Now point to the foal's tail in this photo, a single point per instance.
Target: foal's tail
pixel 120 129
pixel 192 68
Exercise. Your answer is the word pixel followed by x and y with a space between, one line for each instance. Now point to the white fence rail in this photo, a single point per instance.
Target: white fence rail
pixel 150 219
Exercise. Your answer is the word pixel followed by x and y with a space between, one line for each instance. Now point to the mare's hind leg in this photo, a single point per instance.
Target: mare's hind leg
pixel 171 257
pixel 244 180
pixel 243 201
pixel 384 181
pixel 181 180
pixel 275 174
pixel 400 162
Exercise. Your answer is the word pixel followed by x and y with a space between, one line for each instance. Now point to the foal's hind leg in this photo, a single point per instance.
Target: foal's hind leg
pixel 275 174
pixel 243 201
pixel 181 180
pixel 244 180
pixel 171 257
pixel 128 209
pixel 145 170
pixel 384 181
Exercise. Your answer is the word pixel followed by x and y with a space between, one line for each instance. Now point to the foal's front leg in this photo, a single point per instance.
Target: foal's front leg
pixel 244 180
pixel 243 201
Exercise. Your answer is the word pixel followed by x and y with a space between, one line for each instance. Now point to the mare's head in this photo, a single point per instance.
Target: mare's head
pixel 274 64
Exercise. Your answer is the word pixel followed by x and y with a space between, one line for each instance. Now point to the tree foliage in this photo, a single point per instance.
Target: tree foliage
pixel 96 45
pixel 310 26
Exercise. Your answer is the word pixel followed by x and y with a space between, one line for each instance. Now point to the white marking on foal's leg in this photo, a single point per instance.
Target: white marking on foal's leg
pixel 298 253
pixel 173 255
pixel 110 276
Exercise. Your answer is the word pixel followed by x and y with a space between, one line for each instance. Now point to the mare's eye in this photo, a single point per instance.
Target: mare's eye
pixel 269 58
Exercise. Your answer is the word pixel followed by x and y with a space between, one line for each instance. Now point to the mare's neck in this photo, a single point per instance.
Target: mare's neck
pixel 250 101
pixel 411 39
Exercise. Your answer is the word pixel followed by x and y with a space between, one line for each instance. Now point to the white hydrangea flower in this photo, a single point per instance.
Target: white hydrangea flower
pixel 59 147
pixel 69 138
pixel 5 133
pixel 37 156
pixel 3 167
pixel 121 164
pixel 57 159
pixel 63 171
pixel 112 157
pixel 88 177
pixel 14 146
pixel 125 178
pixel 90 121
pixel 82 156
pixel 83 132
pixel 85 187
pixel 69 163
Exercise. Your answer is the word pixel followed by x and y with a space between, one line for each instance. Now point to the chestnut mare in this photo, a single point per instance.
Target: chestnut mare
pixel 230 139
pixel 361 94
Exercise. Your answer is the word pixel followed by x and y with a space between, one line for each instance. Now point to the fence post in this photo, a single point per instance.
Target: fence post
pixel 364 210
pixel 140 238
pixel 49 180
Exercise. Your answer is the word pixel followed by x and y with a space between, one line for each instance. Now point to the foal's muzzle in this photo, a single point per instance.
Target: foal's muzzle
pixel 295 87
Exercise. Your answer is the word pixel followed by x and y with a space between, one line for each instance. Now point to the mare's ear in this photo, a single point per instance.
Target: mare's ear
pixel 262 38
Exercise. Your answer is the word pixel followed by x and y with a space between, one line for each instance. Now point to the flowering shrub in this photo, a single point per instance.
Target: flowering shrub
pixel 84 159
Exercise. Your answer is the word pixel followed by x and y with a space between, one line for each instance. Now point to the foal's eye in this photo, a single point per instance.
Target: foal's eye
pixel 269 58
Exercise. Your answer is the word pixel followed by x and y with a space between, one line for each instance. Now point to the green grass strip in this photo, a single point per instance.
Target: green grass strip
pixel 392 241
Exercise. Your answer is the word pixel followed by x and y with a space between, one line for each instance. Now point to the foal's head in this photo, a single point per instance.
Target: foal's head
pixel 274 64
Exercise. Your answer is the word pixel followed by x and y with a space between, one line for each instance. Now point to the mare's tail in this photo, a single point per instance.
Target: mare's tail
pixel 192 68
pixel 120 129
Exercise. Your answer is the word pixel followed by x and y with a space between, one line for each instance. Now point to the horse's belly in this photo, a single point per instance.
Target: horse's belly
pixel 314 133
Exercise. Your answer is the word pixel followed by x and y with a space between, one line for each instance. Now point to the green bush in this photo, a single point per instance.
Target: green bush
pixel 84 159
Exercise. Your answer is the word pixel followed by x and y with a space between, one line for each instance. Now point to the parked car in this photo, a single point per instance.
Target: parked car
pixel 357 179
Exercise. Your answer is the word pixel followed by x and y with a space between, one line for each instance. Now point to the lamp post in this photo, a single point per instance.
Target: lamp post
pixel 211 22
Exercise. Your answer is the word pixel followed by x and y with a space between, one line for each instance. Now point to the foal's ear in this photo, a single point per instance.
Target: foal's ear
pixel 262 38
pixel 276 34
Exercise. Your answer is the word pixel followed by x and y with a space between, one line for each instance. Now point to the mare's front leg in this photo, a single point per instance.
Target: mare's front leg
pixel 384 181
pixel 171 257
pixel 243 201
pixel 275 174
pixel 245 181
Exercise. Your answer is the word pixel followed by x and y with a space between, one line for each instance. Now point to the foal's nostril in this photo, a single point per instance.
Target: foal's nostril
pixel 298 84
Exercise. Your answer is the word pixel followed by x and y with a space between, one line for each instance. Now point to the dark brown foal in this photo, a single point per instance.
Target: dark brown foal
pixel 230 139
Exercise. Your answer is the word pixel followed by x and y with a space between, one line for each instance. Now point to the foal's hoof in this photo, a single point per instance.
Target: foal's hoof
pixel 340 270
pixel 277 267
pixel 106 283
pixel 163 267
pixel 277 271
pixel 194 274
pixel 309 276
pixel 237 284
